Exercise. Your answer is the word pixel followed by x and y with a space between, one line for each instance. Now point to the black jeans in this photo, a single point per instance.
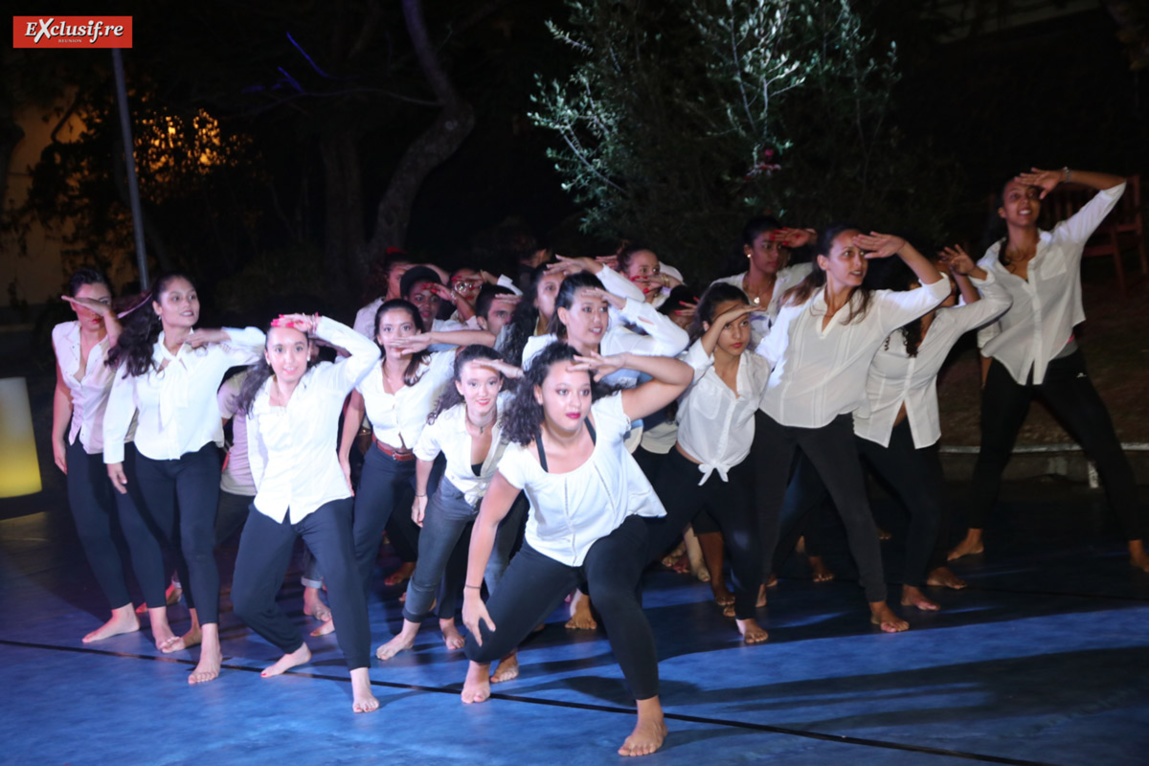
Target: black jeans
pixel 535 584
pixel 832 452
pixel 1071 396
pixel 265 549
pixel 385 487
pixel 181 498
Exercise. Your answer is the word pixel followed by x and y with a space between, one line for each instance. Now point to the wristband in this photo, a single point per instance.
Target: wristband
pixel 474 587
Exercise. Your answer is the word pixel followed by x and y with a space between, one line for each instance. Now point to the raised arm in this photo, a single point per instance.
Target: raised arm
pixel 1048 180
pixel 670 379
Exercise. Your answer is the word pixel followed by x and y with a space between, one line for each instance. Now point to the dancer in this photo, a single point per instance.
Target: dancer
pixel 168 373
pixel 819 350
pixel 466 427
pixel 1032 349
pixel 588 500
pixel 292 415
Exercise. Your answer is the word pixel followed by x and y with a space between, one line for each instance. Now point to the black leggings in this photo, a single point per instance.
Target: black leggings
pixel 181 498
pixel 535 584
pixel 146 549
pixel 1071 396
pixel 730 504
pixel 832 452
pixel 265 549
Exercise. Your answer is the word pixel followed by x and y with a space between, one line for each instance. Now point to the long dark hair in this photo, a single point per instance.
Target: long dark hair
pixel 524 319
pixel 816 279
pixel 524 414
pixel 141 329
pixel 894 274
pixel 580 280
pixel 996 232
pixel 451 395
pixel 86 276
pixel 258 374
pixel 411 375
pixel 715 295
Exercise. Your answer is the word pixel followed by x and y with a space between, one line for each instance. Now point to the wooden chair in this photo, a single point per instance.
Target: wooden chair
pixel 1123 226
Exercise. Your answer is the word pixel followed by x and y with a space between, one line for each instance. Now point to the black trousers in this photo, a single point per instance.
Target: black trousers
pixel 265 549
pixel 730 503
pixel 1071 396
pixel 145 547
pixel 180 499
pixel 535 584
pixel 834 456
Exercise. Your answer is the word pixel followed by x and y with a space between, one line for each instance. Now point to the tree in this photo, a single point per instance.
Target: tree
pixel 684 117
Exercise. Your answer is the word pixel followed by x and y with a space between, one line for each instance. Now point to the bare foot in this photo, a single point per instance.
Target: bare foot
pixel 161 631
pixel 325 628
pixel 477 687
pixel 123 620
pixel 752 632
pixel 800 546
pixel 210 657
pixel 508 669
pixel 649 732
pixel 363 701
pixel 761 602
pixel 722 594
pixel 942 577
pixel 400 643
pixel 313 605
pixel 1138 558
pixel 694 553
pixel 402 574
pixel 192 638
pixel 822 573
pixel 451 635
pixel 172 596
pixel 914 597
pixel 300 656
pixel 772 581
pixel 970 546
pixel 581 617
pixel 884 617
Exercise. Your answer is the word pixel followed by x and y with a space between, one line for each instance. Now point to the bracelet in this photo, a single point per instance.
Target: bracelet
pixel 1068 174
pixel 474 587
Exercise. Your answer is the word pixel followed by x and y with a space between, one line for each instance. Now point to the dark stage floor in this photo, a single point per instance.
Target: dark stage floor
pixel 1044 659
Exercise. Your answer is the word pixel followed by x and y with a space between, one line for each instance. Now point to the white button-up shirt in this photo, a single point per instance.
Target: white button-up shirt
pixel 715 424
pixel 1047 304
pixel 571 511
pixel 786 278
pixel 896 378
pixel 820 372
pixel 398 419
pixel 88 387
pixel 448 434
pixel 178 410
pixel 292 449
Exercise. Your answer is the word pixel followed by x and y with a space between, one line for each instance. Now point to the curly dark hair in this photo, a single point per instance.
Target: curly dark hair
pixel 580 280
pixel 715 295
pixel 142 328
pixel 816 279
pixel 525 414
pixel 411 375
pixel 451 395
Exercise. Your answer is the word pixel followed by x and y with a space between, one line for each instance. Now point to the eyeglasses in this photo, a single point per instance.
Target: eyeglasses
pixel 465 284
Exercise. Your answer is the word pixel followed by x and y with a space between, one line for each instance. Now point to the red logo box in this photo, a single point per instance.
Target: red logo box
pixel 71 31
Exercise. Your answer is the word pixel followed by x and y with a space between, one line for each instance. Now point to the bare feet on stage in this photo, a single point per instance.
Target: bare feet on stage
pixel 210 657
pixel 581 617
pixel 970 546
pixel 942 577
pixel 363 700
pixel 914 597
pixel 123 620
pixel 1138 558
pixel 722 595
pixel 325 628
pixel 313 605
pixel 193 637
pixel 451 635
pixel 752 632
pixel 822 573
pixel 172 597
pixel 508 669
pixel 400 643
pixel 477 686
pixel 649 732
pixel 161 631
pixel 300 656
pixel 884 617
pixel 400 575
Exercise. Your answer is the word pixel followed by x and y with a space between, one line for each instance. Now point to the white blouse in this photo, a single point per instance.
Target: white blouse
pixel 571 511
pixel 896 378
pixel 820 372
pixel 786 278
pixel 1047 305
pixel 292 449
pixel 398 419
pixel 448 434
pixel 88 387
pixel 715 424
pixel 178 410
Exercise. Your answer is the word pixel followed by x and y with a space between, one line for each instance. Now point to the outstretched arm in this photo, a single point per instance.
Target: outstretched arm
pixel 496 503
pixel 1048 180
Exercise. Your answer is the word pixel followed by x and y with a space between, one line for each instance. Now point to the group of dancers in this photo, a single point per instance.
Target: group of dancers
pixel 548 437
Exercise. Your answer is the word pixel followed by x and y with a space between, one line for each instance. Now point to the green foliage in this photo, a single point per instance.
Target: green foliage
pixel 684 117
